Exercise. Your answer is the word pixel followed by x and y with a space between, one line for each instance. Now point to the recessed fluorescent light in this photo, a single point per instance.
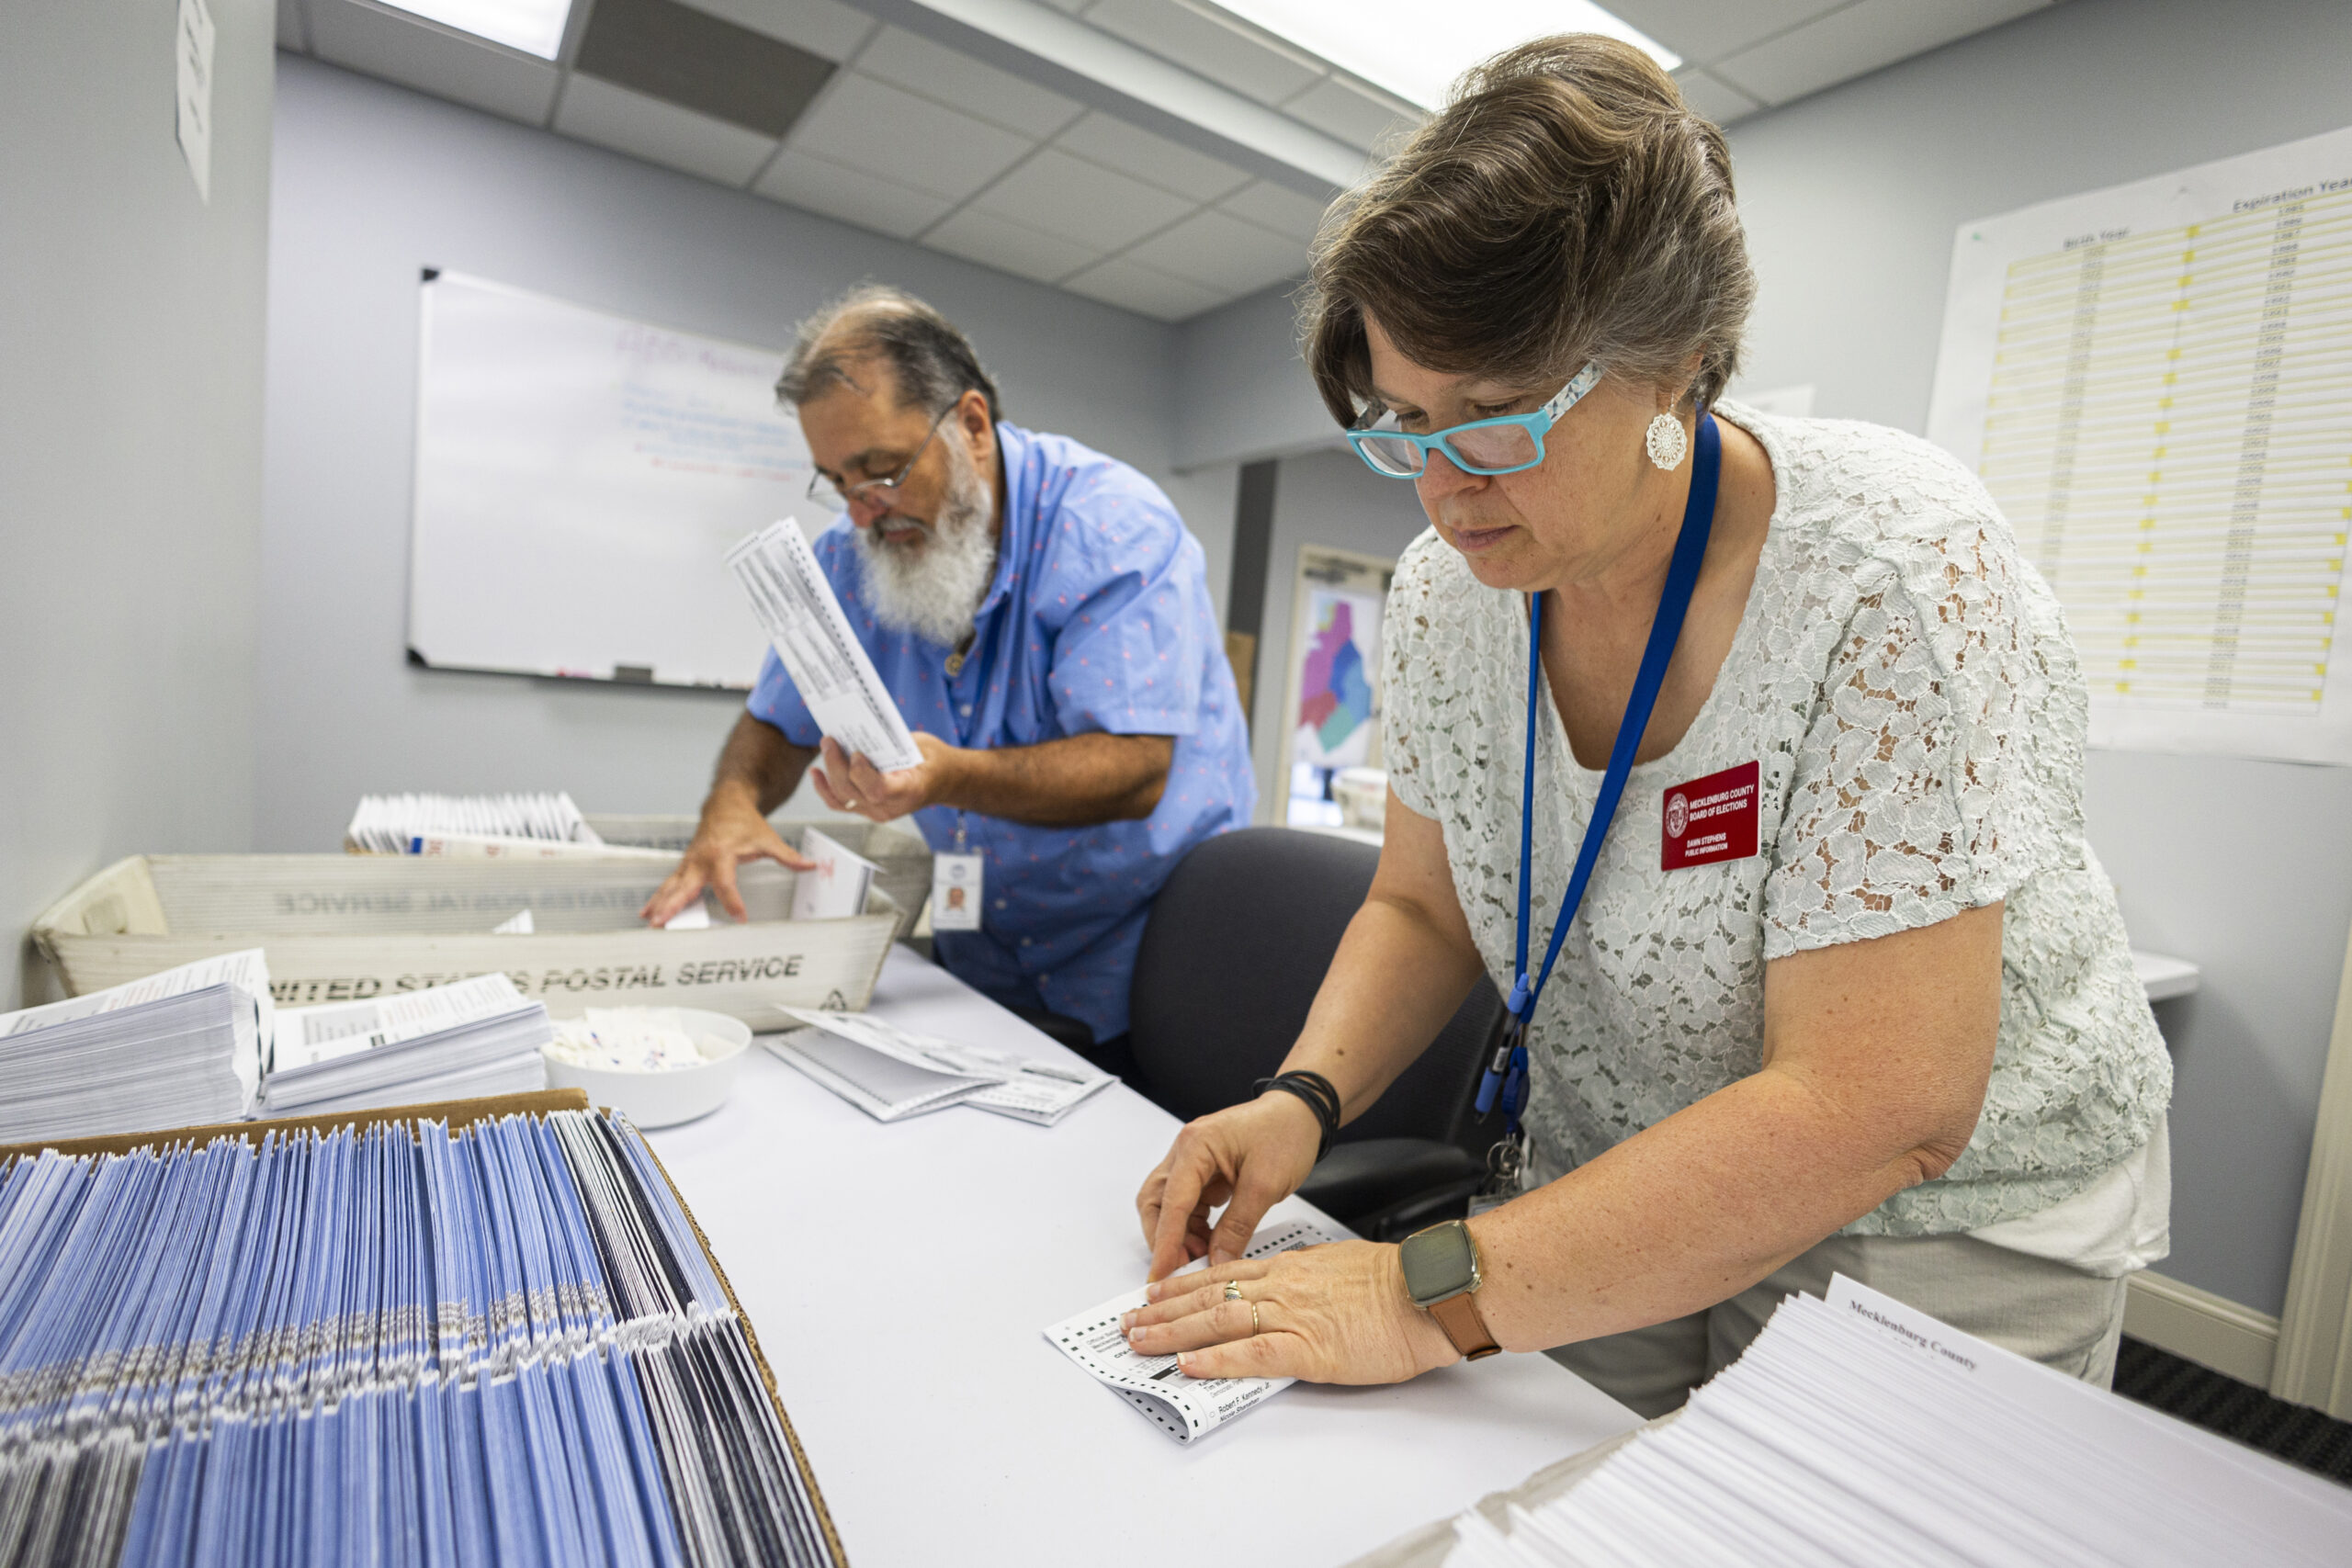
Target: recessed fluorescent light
pixel 535 27
pixel 1414 49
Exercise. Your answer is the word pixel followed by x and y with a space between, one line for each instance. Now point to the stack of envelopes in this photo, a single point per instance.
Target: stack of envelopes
pixel 172 1050
pixel 475 1038
pixel 500 1343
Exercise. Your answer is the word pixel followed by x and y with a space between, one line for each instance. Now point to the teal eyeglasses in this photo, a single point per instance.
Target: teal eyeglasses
pixel 1502 445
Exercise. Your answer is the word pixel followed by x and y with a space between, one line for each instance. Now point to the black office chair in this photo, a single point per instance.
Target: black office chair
pixel 1237 946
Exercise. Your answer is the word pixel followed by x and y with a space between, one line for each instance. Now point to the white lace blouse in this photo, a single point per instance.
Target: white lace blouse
pixel 1909 688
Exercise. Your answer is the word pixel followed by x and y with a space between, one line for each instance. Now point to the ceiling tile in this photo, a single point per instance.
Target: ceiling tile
pixel 1080 202
pixel 289 25
pixel 992 241
pixel 1132 285
pixel 1116 145
pixel 1358 116
pixel 1224 55
pixel 872 126
pixel 1857 39
pixel 1712 97
pixel 957 80
pixel 1223 252
pixel 1701 30
pixel 851 194
pixel 701 62
pixel 1278 207
pixel 595 110
pixel 416 53
pixel 822 26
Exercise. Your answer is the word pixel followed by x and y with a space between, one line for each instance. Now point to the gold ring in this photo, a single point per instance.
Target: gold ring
pixel 1254 1329
pixel 1232 1289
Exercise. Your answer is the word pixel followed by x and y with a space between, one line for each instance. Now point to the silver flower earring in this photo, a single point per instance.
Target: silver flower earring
pixel 1668 442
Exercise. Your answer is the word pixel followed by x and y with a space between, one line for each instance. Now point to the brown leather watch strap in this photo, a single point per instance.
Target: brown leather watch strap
pixel 1462 1322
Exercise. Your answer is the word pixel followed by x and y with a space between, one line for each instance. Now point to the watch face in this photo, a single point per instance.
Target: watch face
pixel 1438 1263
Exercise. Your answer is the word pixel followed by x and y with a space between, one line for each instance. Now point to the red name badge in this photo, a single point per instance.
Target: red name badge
pixel 1711 820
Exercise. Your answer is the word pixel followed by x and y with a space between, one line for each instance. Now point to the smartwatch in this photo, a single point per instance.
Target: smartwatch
pixel 1442 1276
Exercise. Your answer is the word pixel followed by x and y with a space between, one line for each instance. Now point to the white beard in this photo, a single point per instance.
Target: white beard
pixel 933 590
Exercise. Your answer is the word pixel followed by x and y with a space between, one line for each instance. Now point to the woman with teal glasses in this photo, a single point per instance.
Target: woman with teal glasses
pixel 1745 754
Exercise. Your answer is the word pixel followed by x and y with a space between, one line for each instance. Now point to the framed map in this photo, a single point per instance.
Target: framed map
pixel 1332 706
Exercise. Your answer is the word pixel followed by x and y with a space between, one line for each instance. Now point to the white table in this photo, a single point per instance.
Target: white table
pixel 899 1276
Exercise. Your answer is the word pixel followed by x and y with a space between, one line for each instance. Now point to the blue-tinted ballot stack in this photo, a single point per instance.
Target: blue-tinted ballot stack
pixel 401 1343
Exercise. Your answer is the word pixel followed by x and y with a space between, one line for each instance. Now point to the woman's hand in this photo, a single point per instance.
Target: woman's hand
pixel 1335 1314
pixel 1255 1154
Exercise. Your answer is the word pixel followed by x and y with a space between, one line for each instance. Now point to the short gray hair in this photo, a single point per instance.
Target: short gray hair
pixel 932 363
pixel 1565 205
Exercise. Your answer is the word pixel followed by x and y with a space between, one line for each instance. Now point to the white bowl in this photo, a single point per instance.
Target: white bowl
pixel 679 1094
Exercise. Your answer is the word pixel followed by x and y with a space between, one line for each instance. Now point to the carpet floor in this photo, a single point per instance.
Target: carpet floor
pixel 2295 1433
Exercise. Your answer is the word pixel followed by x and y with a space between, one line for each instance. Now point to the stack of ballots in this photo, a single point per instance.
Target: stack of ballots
pixel 495 1342
pixel 400 824
pixel 457 1041
pixel 1858 1429
pixel 174 1049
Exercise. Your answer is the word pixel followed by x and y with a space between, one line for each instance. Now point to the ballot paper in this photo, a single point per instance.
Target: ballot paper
pixel 1184 1407
pixel 390 824
pixel 1859 1429
pixel 836 886
pixel 892 1072
pixel 172 1049
pixel 476 1037
pixel 797 604
pixel 492 846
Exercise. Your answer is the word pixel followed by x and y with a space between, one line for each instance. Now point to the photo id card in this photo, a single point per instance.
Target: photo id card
pixel 955 893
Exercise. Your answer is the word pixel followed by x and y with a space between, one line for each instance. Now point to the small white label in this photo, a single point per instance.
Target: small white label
pixel 955 893
pixel 193 120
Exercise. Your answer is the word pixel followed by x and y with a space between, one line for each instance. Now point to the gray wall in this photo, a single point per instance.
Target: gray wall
pixel 374 182
pixel 130 436
pixel 1851 198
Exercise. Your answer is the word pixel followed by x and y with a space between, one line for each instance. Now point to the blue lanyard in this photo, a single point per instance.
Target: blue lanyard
pixel 1507 1071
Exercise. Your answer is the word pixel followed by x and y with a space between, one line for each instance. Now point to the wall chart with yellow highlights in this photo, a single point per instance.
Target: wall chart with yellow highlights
pixel 2154 382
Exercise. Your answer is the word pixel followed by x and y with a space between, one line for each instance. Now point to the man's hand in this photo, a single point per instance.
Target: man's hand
pixel 856 786
pixel 731 833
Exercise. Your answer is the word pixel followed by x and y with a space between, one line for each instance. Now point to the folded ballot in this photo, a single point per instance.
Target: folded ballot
pixel 1184 1407
pixel 175 1049
pixel 797 605
pixel 477 1037
pixel 890 1073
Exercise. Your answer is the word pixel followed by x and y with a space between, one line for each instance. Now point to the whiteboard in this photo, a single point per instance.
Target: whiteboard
pixel 2154 382
pixel 580 478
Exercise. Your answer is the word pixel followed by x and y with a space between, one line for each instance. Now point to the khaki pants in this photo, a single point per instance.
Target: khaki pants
pixel 2045 1312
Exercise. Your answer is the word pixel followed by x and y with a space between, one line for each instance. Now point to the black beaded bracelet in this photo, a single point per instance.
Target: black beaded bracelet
pixel 1321 1098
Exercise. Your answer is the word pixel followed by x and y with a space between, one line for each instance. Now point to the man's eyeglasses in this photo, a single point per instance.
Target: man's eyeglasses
pixel 1503 445
pixel 873 492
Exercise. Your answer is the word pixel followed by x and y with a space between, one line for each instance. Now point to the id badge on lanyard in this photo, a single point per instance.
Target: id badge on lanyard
pixel 957 883
pixel 1506 1076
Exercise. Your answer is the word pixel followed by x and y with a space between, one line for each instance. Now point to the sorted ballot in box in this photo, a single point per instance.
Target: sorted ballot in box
pixel 812 638
pixel 474 1039
pixel 167 1050
pixel 836 886
pixel 1184 1407
pixel 890 1073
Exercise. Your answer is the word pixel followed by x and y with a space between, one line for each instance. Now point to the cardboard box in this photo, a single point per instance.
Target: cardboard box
pixel 465 1113
pixel 339 928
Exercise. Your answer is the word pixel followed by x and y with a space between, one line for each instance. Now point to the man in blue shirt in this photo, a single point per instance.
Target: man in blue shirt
pixel 1042 619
